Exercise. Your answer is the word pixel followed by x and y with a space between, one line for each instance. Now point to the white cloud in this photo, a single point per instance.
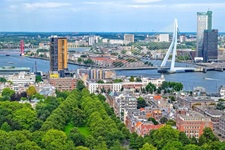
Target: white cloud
pixel 146 1
pixel 199 5
pixel 44 5
pixel 147 6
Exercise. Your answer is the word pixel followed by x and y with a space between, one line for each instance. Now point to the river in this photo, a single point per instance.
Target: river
pixel 210 80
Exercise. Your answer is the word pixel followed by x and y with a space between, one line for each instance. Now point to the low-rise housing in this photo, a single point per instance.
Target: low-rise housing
pixel 192 123
pixel 63 84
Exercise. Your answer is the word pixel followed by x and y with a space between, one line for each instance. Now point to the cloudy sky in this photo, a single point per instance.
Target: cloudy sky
pixel 106 15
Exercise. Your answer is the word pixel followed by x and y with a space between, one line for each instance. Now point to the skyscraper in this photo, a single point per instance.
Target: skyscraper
pixel 58 54
pixel 210 45
pixel 204 22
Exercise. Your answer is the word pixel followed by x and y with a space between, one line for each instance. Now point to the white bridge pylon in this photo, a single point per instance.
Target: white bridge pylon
pixel 173 46
pixel 173 49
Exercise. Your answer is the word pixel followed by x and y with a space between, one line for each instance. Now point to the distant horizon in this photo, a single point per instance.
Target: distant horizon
pixel 107 16
pixel 73 32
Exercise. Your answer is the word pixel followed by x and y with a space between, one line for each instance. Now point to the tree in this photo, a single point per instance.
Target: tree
pixel 77 138
pixel 24 117
pixel 174 145
pixel 100 81
pixel 31 91
pixel 183 138
pixel 207 136
pixel 81 148
pixel 79 60
pixel 141 103
pixel 54 139
pixel 191 147
pixel 3 80
pixel 153 121
pixel 220 106
pixel 27 145
pixel 80 85
pixel 171 122
pixel 38 79
pixel 150 88
pixel 132 79
pixel 164 135
pixel 163 120
pixel 118 80
pixel 147 146
pixel 7 92
pixel 138 80
pixel 6 127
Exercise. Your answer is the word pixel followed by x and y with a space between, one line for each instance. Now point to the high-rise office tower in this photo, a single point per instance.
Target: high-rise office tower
pixel 204 22
pixel 210 45
pixel 128 38
pixel 58 54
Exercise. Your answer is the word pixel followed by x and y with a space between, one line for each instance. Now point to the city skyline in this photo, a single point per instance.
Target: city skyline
pixel 106 16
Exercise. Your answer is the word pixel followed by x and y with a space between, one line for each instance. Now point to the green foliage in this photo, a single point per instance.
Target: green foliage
pixel 141 103
pixel 7 92
pixel 165 135
pixel 38 79
pixel 100 81
pixel 6 127
pixel 153 121
pixel 31 91
pixel 80 85
pixel 147 146
pixel 25 117
pixel 150 88
pixel 3 80
pixel 118 81
pixel 171 86
pixel 174 145
pixel 163 120
pixel 54 139
pixel 220 106
pixel 138 79
pixel 132 79
pixel 88 61
pixel 207 137
pixel 171 122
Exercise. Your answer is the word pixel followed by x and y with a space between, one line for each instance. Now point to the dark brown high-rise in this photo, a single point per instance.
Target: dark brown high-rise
pixel 58 54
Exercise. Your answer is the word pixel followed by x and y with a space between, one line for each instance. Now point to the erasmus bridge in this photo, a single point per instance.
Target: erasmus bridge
pixel 173 49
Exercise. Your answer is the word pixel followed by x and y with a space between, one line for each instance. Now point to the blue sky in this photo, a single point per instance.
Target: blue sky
pixel 106 15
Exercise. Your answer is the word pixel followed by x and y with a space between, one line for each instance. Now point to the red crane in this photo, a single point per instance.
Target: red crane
pixel 21 47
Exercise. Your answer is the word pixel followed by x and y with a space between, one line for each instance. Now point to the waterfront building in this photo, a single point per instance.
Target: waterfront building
pixel 22 78
pixel 163 38
pixel 210 45
pixel 192 123
pixel 10 70
pixel 204 22
pixel 63 84
pixel 58 54
pixel 96 74
pixel 222 92
pixel 128 38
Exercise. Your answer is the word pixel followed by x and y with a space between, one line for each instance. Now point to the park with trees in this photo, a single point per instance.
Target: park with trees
pixel 78 120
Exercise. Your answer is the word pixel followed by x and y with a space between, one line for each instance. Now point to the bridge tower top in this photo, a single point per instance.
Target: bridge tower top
pixel 22 47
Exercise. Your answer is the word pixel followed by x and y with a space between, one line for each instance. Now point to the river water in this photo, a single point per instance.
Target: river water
pixel 210 80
